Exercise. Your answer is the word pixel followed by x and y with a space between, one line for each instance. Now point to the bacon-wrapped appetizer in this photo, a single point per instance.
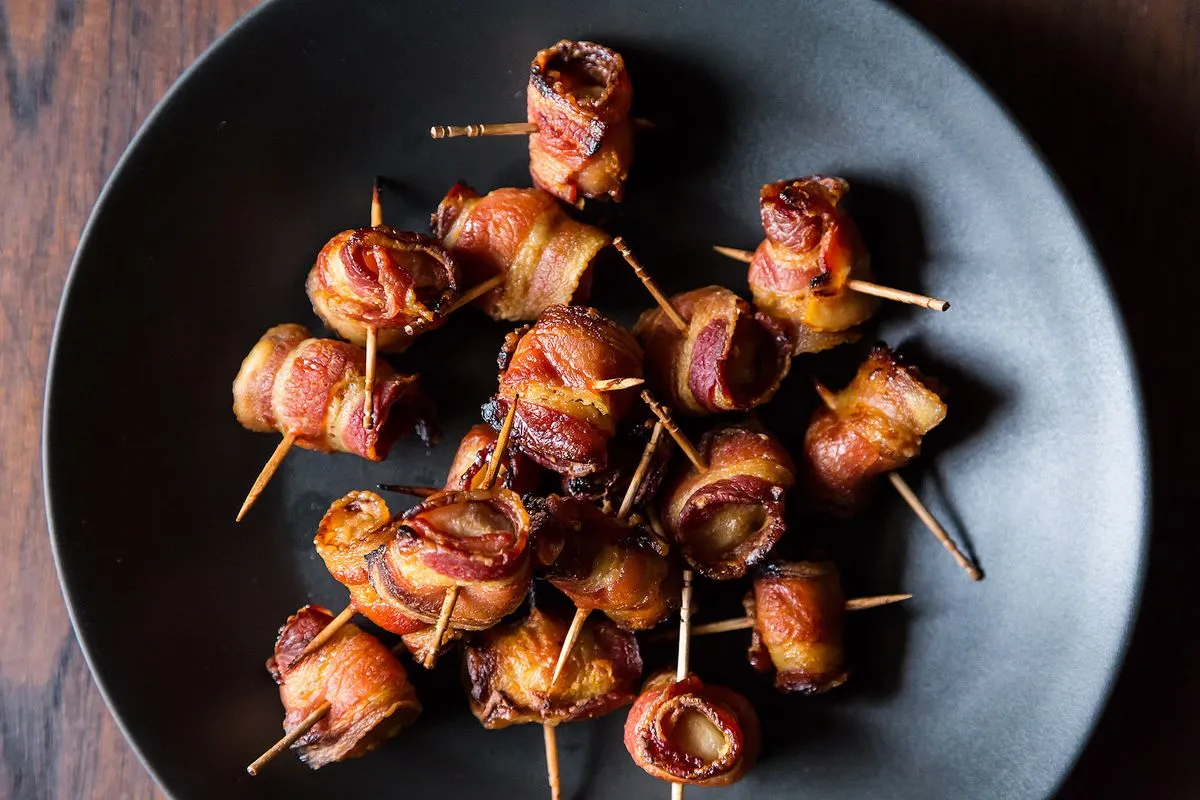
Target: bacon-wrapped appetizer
pixel 475 540
pixel 524 235
pixel 397 282
pixel 798 612
pixel 608 486
pixel 800 270
pixel 313 389
pixel 689 732
pixel 469 467
pixel 727 518
pixel 579 98
pixel 607 565
pixel 368 691
pixel 564 422
pixel 730 359
pixel 508 669
pixel 873 426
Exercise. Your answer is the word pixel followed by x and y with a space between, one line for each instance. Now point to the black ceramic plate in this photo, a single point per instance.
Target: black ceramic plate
pixel 268 146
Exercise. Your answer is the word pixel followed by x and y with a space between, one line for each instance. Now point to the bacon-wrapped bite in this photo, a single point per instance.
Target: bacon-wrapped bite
pixel 728 518
pixel 800 270
pixel 366 687
pixel 689 732
pixel 798 612
pixel 524 235
pixel 579 97
pixel 470 464
pixel 608 486
pixel 563 422
pixel 507 670
pixel 477 540
pixel 730 359
pixel 313 389
pixel 875 426
pixel 607 565
pixel 395 281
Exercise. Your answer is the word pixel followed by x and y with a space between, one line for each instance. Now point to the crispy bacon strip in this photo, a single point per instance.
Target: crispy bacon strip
pixel 876 426
pixel 579 98
pixel 799 272
pixel 689 732
pixel 476 540
pixel 366 686
pixel 507 670
pixel 395 281
pixel 313 388
pixel 730 359
pixel 525 235
pixel 607 486
pixel 469 467
pixel 728 518
pixel 798 611
pixel 607 565
pixel 561 422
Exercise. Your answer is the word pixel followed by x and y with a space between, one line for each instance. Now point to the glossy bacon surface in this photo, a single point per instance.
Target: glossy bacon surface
pixel 313 388
pixel 689 732
pixel 392 280
pixel 366 686
pixel 561 422
pixel 799 272
pixel 579 97
pixel 730 359
pixel 525 235
pixel 507 670
pixel 876 426
pixel 728 518
pixel 470 463
pixel 477 540
pixel 798 611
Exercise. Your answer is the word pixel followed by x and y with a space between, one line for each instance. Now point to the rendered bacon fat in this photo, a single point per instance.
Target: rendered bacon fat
pixel 799 272
pixel 607 565
pixel 875 426
pixel 729 517
pixel 579 97
pixel 471 460
pixel 395 281
pixel 524 235
pixel 476 540
pixel 730 359
pixel 562 422
pixel 508 670
pixel 689 732
pixel 798 612
pixel 313 389
pixel 367 688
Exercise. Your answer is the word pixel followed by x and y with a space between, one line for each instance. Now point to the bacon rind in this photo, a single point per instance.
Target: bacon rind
pixel 648 731
pixel 366 686
pixel 705 371
pixel 507 669
pixel 583 145
pixel 798 611
pixel 469 466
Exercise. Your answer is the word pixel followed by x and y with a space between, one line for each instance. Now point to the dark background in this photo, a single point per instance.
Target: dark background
pixel 1109 89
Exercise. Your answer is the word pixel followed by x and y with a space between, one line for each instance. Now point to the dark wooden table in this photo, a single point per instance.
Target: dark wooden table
pixel 1110 89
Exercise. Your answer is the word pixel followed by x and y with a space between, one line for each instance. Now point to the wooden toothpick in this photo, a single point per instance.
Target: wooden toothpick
pixel 639 474
pixel 268 470
pixel 287 741
pixel 500 129
pixel 439 632
pixel 684 443
pixel 745 623
pixel 581 615
pixel 615 384
pixel 551 737
pixel 326 634
pixel 685 649
pixel 651 286
pixel 415 491
pixel 372 346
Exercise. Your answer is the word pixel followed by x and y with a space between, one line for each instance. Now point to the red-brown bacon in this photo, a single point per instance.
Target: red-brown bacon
pixel 525 235
pixel 730 359
pixel 875 426
pixel 799 272
pixel 313 388
pixel 607 565
pixel 562 422
pixel 395 281
pixel 470 463
pixel 508 669
pixel 798 612
pixel 367 688
pixel 477 540
pixel 689 732
pixel 729 517
pixel 579 97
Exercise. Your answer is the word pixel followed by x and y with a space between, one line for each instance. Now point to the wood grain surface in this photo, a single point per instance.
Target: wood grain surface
pixel 1109 89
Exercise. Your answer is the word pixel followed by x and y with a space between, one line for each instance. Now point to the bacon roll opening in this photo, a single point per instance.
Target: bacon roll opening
pixel 367 688
pixel 469 467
